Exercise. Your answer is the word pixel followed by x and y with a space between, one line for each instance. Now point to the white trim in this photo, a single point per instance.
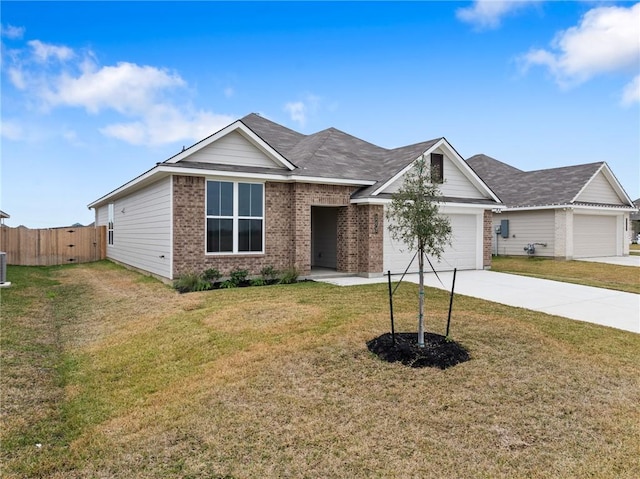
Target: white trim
pixel 370 201
pixel 331 181
pixel 246 132
pixel 235 218
pixel 386 201
pixel 613 182
pixel 614 209
pixel 111 220
pixel 171 227
pixel 163 169
pixel 462 165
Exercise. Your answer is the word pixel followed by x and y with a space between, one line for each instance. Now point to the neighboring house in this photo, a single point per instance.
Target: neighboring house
pixel 635 223
pixel 571 212
pixel 3 216
pixel 258 194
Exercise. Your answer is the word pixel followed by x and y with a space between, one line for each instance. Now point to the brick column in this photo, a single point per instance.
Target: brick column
pixel 188 222
pixel 301 229
pixel 487 237
pixel 347 247
pixel 370 239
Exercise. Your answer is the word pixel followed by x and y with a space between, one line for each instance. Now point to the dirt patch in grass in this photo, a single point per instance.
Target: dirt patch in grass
pixel 438 351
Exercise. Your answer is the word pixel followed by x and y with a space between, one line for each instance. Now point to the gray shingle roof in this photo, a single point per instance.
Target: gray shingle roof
pixel 553 186
pixel 636 214
pixel 332 153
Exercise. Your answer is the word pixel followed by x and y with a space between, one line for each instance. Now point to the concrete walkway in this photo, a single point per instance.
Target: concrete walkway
pixel 630 260
pixel 606 307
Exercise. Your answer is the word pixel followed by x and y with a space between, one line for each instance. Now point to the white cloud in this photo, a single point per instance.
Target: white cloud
pixel 126 88
pixel 42 52
pixel 631 92
pixel 145 96
pixel 9 31
pixel 166 124
pixel 299 111
pixel 606 40
pixel 229 92
pixel 16 77
pixel 487 14
pixel 11 130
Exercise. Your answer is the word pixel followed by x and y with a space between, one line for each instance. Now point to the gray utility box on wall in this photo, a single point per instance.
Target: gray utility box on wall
pixel 3 267
pixel 504 228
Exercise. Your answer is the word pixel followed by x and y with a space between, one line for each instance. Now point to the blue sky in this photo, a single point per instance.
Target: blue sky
pixel 93 94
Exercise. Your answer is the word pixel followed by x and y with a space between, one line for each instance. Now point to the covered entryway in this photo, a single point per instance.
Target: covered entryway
pixel 594 235
pixel 462 254
pixel 324 233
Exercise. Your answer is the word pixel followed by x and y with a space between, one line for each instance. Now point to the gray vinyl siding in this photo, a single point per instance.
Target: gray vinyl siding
pixel 526 227
pixel 456 184
pixel 599 190
pixel 102 215
pixel 233 149
pixel 142 229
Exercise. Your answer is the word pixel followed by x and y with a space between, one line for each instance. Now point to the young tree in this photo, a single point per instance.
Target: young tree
pixel 415 220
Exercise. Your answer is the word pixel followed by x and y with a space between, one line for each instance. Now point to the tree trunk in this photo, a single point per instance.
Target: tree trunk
pixel 421 297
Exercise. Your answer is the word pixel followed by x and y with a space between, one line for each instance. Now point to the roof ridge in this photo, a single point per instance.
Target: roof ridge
pixel 568 167
pixel 271 122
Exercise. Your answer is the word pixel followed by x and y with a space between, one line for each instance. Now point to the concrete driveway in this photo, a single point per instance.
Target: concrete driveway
pixel 606 307
pixel 619 260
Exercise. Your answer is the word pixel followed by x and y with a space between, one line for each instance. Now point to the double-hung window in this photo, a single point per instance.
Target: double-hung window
pixel 110 223
pixel 235 217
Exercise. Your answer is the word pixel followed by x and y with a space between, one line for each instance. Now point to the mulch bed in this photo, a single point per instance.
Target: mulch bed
pixel 438 352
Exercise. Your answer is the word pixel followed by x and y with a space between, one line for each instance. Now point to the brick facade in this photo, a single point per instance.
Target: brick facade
pixel 370 243
pixel 287 230
pixel 487 237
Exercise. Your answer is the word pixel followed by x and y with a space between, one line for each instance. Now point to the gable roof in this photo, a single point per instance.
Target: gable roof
pixel 329 156
pixel 548 187
pixel 332 152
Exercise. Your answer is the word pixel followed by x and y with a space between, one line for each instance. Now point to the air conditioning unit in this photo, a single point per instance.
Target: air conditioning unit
pixel 3 267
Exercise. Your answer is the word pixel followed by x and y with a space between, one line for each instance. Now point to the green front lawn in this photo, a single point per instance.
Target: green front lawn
pixel 600 275
pixel 108 374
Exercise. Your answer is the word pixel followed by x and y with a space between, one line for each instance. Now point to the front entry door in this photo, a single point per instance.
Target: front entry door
pixel 324 229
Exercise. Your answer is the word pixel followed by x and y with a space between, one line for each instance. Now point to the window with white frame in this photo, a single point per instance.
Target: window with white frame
pixel 110 224
pixel 235 217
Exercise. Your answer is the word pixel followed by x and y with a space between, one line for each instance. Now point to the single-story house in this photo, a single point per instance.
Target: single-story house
pixel 635 223
pixel 570 212
pixel 258 194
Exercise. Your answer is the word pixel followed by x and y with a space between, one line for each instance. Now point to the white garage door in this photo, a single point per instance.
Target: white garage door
pixel 594 235
pixel 461 254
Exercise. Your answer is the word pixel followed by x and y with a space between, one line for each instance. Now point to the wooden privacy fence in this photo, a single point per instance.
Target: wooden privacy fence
pixel 48 247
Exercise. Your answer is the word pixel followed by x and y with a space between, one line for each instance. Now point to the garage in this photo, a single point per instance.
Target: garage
pixel 462 254
pixel 594 235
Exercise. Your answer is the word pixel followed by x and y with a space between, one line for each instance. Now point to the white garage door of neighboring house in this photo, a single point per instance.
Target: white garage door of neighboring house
pixel 594 235
pixel 461 254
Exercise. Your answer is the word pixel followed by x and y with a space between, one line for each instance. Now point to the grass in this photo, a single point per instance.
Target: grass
pixel 277 382
pixel 600 275
pixel 634 249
